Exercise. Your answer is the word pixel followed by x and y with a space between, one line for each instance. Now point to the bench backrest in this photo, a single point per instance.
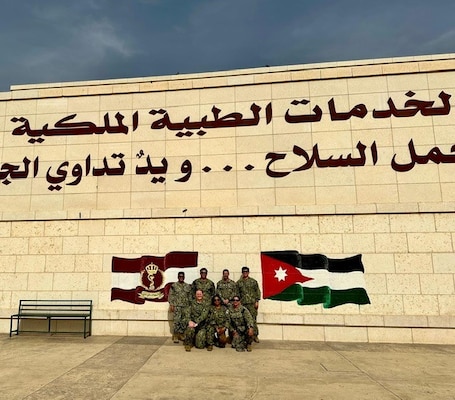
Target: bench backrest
pixel 78 307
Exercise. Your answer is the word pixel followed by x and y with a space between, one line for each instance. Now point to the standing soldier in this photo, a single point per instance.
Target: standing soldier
pixel 204 284
pixel 250 294
pixel 226 288
pixel 179 300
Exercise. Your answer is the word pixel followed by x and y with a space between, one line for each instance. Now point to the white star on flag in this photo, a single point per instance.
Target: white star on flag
pixel 280 274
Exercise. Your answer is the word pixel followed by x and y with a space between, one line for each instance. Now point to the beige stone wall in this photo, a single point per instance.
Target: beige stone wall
pixel 408 261
pixel 373 187
pixel 60 243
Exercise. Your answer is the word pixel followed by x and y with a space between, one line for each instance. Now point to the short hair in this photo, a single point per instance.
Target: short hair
pixel 203 270
pixel 181 273
pixel 245 269
pixel 225 270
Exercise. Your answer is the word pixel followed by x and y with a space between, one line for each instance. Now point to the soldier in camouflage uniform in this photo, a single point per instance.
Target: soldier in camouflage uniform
pixel 204 284
pixel 226 288
pixel 195 333
pixel 218 323
pixel 250 294
pixel 179 298
pixel 241 328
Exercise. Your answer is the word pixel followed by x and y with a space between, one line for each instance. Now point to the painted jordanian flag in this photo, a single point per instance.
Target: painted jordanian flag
pixel 313 278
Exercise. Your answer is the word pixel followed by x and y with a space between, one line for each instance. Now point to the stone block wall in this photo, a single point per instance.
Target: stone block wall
pixel 408 259
pixel 291 158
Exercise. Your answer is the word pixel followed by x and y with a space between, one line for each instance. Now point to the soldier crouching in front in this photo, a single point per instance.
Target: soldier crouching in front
pixel 218 323
pixel 241 328
pixel 195 333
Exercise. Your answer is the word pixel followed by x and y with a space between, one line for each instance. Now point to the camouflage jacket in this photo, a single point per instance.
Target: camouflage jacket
pixel 219 316
pixel 207 287
pixel 249 291
pixel 180 294
pixel 199 312
pixel 226 289
pixel 241 319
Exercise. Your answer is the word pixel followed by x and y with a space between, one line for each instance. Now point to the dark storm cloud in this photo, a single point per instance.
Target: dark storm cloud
pixel 60 40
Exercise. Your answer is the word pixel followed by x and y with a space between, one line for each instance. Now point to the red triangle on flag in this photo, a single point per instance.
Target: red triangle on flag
pixel 278 275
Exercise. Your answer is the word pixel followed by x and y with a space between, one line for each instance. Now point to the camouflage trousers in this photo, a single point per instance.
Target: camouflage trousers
pixel 180 320
pixel 242 339
pixel 254 313
pixel 196 337
pixel 214 338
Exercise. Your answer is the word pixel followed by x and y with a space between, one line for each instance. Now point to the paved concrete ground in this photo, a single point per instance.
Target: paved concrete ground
pixel 116 367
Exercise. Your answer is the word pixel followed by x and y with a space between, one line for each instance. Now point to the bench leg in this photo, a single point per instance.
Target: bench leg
pixel 13 317
pixel 87 327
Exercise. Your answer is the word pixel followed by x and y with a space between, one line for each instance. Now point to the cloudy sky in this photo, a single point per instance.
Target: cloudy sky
pixel 61 40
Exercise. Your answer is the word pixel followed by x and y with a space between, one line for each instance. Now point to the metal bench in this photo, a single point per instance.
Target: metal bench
pixel 53 310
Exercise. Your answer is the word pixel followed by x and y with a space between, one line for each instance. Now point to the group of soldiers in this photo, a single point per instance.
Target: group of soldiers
pixel 206 315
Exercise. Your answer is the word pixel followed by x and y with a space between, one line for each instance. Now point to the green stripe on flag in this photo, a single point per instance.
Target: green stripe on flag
pixel 293 292
pixel 328 297
pixel 354 295
pixel 314 296
pixel 332 298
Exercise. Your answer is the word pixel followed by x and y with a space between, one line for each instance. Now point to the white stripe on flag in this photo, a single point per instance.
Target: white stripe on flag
pixel 334 280
pixel 125 280
pixel 170 275
pixel 129 280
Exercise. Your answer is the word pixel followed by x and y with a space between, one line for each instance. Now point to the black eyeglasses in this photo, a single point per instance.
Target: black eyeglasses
pixel 217 300
pixel 235 299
